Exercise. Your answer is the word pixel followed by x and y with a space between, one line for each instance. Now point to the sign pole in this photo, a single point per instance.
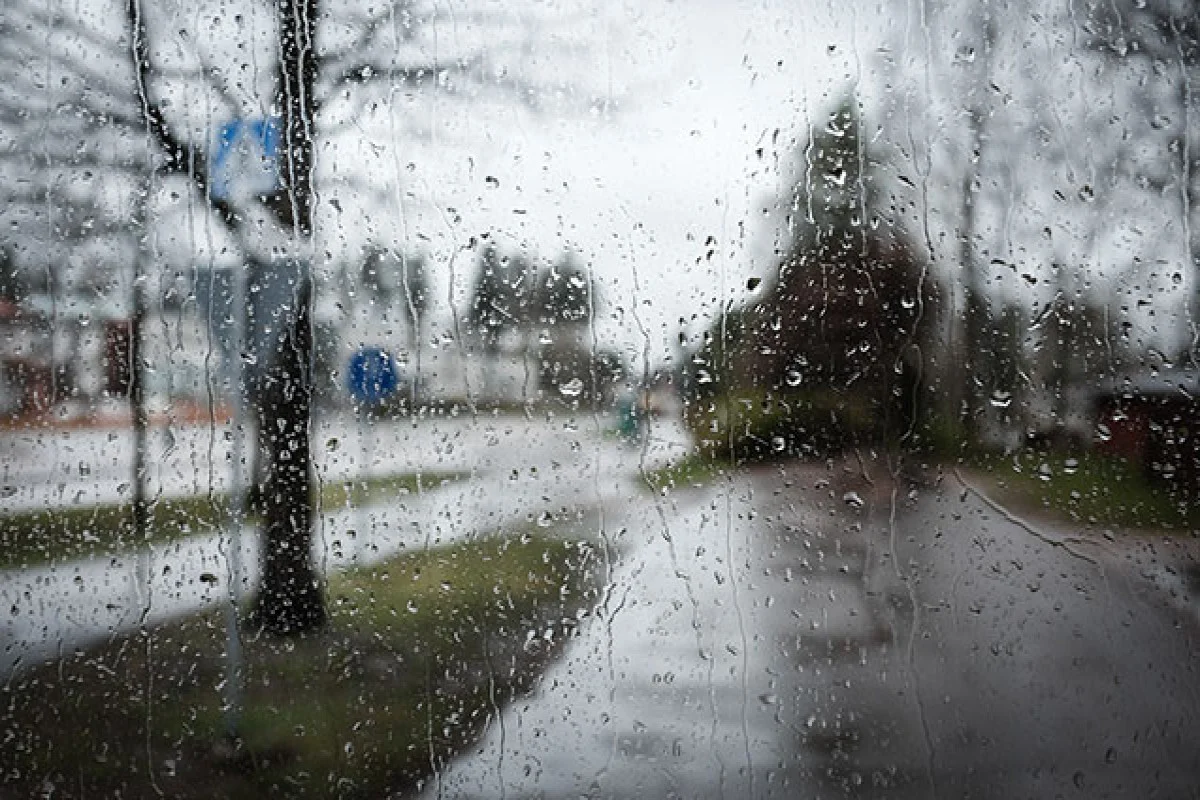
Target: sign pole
pixel 238 487
pixel 372 378
pixel 364 437
pixel 232 172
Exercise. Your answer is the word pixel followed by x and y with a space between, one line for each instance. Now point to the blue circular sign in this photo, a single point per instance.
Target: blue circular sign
pixel 372 375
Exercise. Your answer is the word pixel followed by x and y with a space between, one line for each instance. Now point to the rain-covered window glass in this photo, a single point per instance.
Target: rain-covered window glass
pixel 579 399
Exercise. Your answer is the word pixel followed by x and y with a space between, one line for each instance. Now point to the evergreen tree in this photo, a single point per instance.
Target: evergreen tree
pixel 830 355
pixel 497 304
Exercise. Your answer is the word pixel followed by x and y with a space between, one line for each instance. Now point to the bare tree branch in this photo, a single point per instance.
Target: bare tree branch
pixel 63 24
pixel 182 158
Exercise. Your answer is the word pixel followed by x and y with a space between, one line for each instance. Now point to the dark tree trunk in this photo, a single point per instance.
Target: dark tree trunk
pixel 974 362
pixel 290 599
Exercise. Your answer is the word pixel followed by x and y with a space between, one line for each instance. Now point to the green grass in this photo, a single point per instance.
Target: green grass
pixel 759 426
pixel 694 469
pixel 1090 489
pixel 420 654
pixel 68 532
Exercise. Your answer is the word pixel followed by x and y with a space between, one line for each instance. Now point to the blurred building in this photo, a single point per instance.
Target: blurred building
pixel 1152 419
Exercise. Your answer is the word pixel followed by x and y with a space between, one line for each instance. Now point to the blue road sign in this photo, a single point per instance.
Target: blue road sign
pixel 246 156
pixel 372 375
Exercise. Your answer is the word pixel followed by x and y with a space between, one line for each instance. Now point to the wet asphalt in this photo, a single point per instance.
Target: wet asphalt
pixel 805 631
pixel 519 472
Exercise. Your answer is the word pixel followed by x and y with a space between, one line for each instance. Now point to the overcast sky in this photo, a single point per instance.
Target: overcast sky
pixel 651 150
pixel 645 135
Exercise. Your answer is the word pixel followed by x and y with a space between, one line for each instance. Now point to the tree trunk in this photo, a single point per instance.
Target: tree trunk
pixel 290 599
pixel 974 362
pixel 137 405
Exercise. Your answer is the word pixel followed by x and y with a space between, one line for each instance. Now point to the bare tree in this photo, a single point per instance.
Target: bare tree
pixel 1018 174
pixel 1160 40
pixel 107 115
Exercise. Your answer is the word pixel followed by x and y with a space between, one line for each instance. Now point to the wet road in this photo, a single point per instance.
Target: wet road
pixel 522 473
pixel 42 468
pixel 792 631
pixel 801 632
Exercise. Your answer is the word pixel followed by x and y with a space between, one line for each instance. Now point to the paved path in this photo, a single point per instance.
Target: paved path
pixel 524 473
pixel 802 633
pixel 794 631
pixel 47 467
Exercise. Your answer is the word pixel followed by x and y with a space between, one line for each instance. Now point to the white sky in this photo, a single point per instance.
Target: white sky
pixel 643 146
pixel 692 89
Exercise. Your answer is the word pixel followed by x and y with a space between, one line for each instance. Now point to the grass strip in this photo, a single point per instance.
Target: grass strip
pixel 1091 489
pixel 694 470
pixel 419 655
pixel 47 535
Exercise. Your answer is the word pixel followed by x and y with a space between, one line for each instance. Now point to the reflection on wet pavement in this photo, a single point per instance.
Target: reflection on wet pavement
pixel 525 472
pixel 801 631
pixel 806 629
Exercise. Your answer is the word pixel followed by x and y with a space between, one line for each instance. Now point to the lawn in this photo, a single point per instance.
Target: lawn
pixel 420 655
pixel 693 470
pixel 1090 489
pixel 69 532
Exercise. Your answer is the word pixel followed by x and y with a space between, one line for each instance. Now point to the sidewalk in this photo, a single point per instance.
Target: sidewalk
pixel 694 677
pixel 801 632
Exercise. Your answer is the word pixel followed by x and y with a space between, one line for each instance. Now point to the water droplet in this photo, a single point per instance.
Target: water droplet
pixel 1071 466
pixel 1103 434
pixel 703 376
pixel 1086 194
pixel 853 500
pixel 571 388
pixel 1001 398
pixel 412 607
pixel 793 377
pixel 332 444
pixel 778 443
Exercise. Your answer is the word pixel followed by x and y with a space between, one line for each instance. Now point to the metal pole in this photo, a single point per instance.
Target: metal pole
pixel 364 438
pixel 236 514
pixel 137 402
